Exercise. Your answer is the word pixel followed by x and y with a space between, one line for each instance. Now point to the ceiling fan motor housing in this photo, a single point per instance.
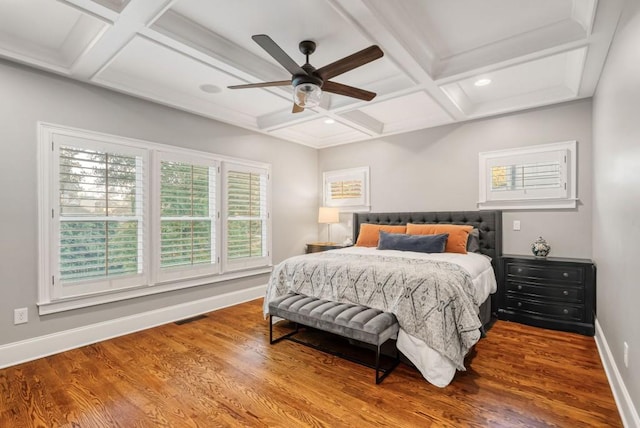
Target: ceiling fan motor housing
pixel 310 77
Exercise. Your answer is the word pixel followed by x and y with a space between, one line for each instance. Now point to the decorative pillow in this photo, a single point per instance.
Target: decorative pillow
pixel 368 236
pixel 458 234
pixel 473 243
pixel 417 243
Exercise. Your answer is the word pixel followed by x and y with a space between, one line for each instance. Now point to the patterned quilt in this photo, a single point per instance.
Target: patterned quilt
pixel 432 300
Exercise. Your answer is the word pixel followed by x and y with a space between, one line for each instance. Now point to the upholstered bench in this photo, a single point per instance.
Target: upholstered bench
pixel 360 323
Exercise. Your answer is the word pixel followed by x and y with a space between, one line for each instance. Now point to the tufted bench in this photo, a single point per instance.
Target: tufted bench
pixel 351 321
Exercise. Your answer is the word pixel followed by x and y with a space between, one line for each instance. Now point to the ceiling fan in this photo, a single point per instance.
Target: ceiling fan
pixel 308 83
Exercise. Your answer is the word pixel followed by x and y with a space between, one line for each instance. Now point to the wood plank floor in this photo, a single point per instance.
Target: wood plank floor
pixel 221 371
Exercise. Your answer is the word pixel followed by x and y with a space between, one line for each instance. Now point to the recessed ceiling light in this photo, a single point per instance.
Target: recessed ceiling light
pixel 210 89
pixel 329 121
pixel 482 82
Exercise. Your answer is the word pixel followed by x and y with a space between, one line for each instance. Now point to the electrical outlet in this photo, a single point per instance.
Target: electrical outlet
pixel 626 354
pixel 20 316
pixel 516 224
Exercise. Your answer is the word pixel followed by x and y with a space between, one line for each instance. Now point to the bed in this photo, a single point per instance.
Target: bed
pixel 442 301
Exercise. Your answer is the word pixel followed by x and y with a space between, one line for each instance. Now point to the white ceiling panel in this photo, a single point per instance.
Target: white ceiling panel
pixel 320 134
pixel 411 111
pixel 162 72
pixel 456 27
pixel 45 32
pixel 550 79
pixel 184 53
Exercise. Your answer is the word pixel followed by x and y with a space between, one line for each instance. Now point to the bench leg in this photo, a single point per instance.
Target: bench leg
pixel 286 336
pixel 385 372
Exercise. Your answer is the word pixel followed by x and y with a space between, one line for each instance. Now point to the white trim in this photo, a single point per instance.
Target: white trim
pixel 628 411
pixel 52 307
pixel 42 346
pixel 46 128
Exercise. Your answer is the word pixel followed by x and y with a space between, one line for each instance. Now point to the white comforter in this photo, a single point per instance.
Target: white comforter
pixel 434 367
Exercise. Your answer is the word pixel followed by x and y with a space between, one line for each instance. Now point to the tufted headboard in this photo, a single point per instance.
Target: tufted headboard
pixel 489 223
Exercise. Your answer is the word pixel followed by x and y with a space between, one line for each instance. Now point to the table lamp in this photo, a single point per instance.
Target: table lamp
pixel 328 216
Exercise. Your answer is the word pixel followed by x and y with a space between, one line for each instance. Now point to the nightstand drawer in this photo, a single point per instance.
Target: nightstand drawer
pixel 559 293
pixel 567 273
pixel 558 311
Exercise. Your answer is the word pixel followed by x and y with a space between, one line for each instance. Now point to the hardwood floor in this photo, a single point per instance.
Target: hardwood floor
pixel 221 371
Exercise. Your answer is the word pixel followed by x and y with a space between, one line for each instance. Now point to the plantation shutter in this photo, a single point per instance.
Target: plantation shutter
pixel 247 226
pixel 532 176
pixel 100 207
pixel 188 214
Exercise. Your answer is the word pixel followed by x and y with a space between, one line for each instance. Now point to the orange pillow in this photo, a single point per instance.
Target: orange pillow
pixel 370 233
pixel 458 234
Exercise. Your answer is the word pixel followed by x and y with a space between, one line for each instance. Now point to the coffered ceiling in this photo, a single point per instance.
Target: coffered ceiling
pixel 184 54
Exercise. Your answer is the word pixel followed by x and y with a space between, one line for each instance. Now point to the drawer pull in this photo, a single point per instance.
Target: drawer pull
pixel 565 292
pixel 565 311
pixel 519 287
pixel 565 274
pixel 519 270
pixel 520 304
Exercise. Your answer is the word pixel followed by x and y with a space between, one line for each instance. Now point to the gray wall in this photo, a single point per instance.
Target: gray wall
pixel 29 96
pixel 616 202
pixel 437 170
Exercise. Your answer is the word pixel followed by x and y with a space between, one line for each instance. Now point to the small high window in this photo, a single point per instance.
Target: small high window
pixel 537 177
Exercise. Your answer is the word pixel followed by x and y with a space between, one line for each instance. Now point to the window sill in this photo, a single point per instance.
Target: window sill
pixel 62 305
pixel 531 204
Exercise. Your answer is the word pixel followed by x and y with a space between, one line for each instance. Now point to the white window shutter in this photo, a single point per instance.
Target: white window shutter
pixel 246 216
pixel 188 226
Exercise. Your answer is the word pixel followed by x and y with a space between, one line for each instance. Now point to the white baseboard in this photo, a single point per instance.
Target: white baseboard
pixel 628 411
pixel 42 346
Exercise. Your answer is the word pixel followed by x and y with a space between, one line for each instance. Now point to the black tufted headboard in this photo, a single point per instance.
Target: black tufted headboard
pixel 489 223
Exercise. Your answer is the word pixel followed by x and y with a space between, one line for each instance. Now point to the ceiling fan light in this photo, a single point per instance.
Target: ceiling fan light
pixel 307 95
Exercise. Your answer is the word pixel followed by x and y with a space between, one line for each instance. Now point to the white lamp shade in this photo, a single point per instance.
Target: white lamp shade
pixel 328 215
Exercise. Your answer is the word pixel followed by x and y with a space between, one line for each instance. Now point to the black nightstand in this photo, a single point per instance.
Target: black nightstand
pixel 318 247
pixel 556 293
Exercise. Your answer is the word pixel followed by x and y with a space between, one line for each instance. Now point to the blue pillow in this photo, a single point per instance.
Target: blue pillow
pixel 417 243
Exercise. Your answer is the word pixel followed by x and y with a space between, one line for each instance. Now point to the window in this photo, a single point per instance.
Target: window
pixel 535 177
pixel 188 216
pixel 246 216
pixel 100 216
pixel 122 218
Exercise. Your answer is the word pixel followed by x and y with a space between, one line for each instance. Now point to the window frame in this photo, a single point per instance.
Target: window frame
pixel 249 262
pixel 51 301
pixel 533 198
pixel 114 283
pixel 161 275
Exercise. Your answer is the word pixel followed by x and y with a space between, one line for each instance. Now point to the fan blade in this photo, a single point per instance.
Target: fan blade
pixel 261 85
pixel 349 91
pixel 278 54
pixel 297 108
pixel 350 62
